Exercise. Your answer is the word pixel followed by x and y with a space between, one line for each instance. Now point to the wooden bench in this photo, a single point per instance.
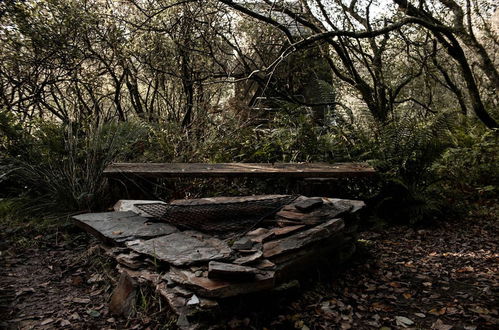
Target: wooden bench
pixel 203 170
pixel 301 171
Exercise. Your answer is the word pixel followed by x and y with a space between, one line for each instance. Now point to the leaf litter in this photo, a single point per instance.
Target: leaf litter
pixel 441 278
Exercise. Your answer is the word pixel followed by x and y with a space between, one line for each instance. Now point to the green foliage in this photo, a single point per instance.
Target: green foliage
pixel 469 168
pixel 61 168
pixel 69 71
pixel 408 151
pixel 5 208
pixel 9 130
pixel 407 148
pixel 403 151
pixel 291 135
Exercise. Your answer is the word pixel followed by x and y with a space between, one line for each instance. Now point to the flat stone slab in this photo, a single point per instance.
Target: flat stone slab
pixel 278 232
pixel 183 248
pixel 329 209
pixel 222 270
pixel 249 258
pixel 309 204
pixel 218 288
pixel 120 227
pixel 356 205
pixel 259 235
pixel 300 240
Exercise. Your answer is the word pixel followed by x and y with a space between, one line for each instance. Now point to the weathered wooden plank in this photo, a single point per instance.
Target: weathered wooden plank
pixel 296 170
pixel 225 200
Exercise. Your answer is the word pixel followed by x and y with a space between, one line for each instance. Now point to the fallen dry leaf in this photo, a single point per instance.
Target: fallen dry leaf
pixel 467 269
pixel 480 310
pixel 76 280
pixel 65 323
pixel 75 316
pixel 47 321
pixel 437 312
pixel 439 325
pixel 81 300
pixel 403 321
pixel 381 307
pixel 24 291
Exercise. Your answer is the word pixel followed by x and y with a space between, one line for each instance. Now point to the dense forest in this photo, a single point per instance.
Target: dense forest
pixel 409 87
pixel 412 89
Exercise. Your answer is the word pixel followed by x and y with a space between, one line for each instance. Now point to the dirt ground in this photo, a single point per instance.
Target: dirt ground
pixel 440 278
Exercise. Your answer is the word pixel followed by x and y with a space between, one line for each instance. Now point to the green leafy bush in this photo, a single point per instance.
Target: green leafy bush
pixel 421 161
pixel 290 135
pixel 403 151
pixel 469 168
pixel 61 167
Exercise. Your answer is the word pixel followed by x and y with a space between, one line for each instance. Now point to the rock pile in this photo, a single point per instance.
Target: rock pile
pixel 194 270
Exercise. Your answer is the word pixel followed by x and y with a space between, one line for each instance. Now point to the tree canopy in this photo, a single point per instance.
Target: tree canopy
pixel 176 60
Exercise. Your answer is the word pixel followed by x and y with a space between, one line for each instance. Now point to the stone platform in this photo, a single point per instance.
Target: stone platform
pixel 194 271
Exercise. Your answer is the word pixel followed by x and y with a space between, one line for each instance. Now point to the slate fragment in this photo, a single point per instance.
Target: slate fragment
pixel 242 244
pixel 303 238
pixel 131 260
pixel 249 258
pixel 218 288
pixel 123 297
pixel 120 227
pixel 309 204
pixel 351 205
pixel 278 232
pixel 265 264
pixel 184 248
pixel 222 270
pixel 330 209
pixel 259 235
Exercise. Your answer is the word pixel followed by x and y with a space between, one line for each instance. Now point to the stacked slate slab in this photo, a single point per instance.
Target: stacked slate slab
pixel 195 270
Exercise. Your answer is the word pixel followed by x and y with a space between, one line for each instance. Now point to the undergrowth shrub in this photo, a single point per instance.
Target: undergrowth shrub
pixel 289 136
pixel 469 168
pixel 403 152
pixel 60 167
pixel 422 162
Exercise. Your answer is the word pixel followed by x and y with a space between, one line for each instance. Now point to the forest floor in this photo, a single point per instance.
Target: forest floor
pixel 443 277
